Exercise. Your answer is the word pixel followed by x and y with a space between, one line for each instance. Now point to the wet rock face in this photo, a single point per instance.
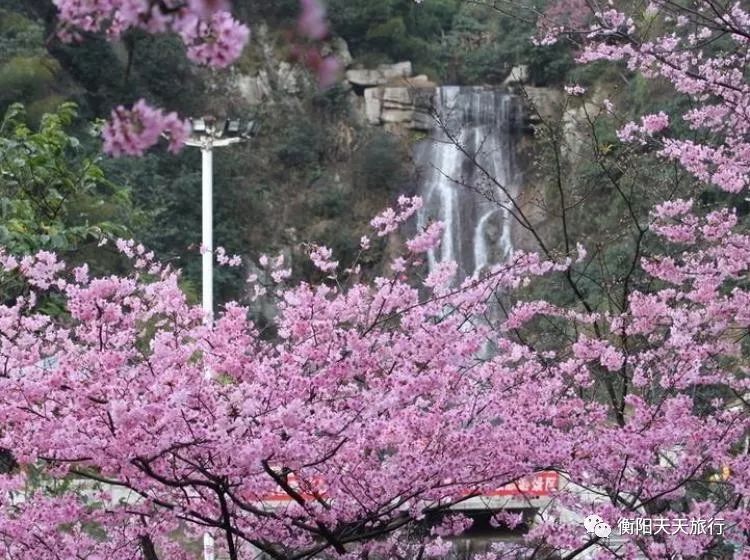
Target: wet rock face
pixel 409 106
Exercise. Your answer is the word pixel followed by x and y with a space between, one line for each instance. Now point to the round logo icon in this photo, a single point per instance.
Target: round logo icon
pixel 595 525
pixel 602 530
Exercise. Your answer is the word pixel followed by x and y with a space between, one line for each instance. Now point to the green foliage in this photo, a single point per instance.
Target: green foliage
pixel 141 65
pixel 452 41
pixel 299 143
pixel 548 65
pixel 278 12
pixel 608 189
pixel 379 164
pixel 302 173
pixel 483 45
pixel 333 102
pixel 53 195
pixel 394 30
pixel 19 36
pixel 101 74
pixel 329 202
pixel 168 188
pixel 27 72
pixel 158 65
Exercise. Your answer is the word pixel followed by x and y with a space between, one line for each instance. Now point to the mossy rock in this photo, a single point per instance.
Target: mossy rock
pixel 27 78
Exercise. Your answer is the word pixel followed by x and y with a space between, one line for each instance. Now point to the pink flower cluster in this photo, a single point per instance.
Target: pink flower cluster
pixel 428 239
pixel 575 89
pixel 312 20
pixel 211 36
pixel 210 33
pixel 321 258
pixel 389 220
pixel 560 16
pixel 668 46
pixel 216 41
pixel 588 349
pixel 650 125
pixel 225 260
pixel 133 131
pixel 374 406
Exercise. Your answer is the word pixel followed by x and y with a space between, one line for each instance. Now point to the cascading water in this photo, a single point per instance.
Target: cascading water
pixel 468 171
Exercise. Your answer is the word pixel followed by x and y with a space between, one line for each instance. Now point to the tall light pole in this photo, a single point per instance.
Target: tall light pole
pixel 208 134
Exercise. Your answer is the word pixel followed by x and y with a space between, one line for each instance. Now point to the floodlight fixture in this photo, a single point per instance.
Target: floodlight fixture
pixel 199 125
pixel 233 126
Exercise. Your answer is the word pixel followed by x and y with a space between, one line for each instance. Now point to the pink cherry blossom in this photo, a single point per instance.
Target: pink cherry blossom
pixel 321 258
pixel 575 89
pixel 225 260
pixel 426 240
pixel 210 33
pixel 217 41
pixel 371 395
pixel 389 220
pixel 312 21
pixel 133 131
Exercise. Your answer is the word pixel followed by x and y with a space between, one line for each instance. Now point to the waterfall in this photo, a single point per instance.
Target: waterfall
pixel 479 123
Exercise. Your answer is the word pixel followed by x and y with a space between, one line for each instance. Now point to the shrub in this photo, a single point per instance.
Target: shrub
pixel 379 164
pixel 299 143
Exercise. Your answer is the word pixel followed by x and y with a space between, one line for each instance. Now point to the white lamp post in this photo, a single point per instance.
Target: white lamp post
pixel 206 135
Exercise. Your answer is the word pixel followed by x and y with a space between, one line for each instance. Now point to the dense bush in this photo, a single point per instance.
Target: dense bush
pixel 27 72
pixel 379 164
pixel 159 66
pixel 329 202
pixel 449 40
pixel 394 30
pixel 299 144
pixel 483 45
pixel 333 102
pixel 26 77
pixel 19 36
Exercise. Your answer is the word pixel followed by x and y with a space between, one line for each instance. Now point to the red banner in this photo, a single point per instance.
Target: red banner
pixel 538 484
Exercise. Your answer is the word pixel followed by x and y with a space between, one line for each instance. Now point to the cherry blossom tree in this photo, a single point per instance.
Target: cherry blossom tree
pixel 367 412
pixel 372 408
pixel 647 367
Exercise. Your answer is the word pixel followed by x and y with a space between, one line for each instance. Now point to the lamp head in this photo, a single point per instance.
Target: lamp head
pixel 233 126
pixel 199 125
